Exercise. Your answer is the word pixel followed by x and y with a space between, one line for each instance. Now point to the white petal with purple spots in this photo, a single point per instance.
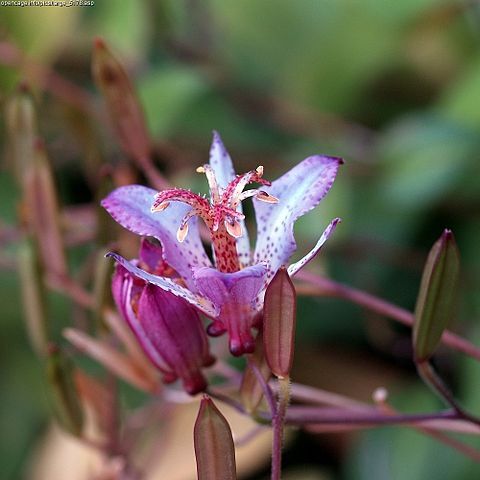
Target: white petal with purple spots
pixel 295 267
pixel 130 207
pixel 299 190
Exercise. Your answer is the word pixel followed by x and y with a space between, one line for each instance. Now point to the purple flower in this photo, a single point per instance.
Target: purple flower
pixel 169 329
pixel 230 292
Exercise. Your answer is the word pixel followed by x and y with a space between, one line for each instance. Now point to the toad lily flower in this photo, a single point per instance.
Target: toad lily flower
pixel 230 292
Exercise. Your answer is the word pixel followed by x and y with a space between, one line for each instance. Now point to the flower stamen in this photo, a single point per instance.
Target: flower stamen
pixel 220 214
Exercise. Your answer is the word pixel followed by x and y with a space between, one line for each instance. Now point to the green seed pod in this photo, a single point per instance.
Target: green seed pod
pixel 436 297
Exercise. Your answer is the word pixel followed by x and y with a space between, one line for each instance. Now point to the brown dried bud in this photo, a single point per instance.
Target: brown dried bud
pixel 123 106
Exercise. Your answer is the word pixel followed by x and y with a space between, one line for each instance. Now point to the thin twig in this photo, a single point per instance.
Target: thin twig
pixel 267 391
pixel 325 287
pixel 432 379
pixel 313 415
pixel 461 447
pixel 226 399
pixel 305 393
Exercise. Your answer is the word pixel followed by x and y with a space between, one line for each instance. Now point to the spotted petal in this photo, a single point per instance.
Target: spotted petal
pixel 298 191
pixel 222 166
pixel 235 296
pixel 204 305
pixel 240 287
pixel 130 206
pixel 295 267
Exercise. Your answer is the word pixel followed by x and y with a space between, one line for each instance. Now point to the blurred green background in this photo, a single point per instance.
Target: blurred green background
pixel 391 86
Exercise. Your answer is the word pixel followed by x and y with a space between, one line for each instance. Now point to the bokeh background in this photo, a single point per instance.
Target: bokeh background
pixel 393 87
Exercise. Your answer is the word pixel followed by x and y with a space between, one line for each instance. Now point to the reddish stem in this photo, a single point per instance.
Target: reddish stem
pixel 325 287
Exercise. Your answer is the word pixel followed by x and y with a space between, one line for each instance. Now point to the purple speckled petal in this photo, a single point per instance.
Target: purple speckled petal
pixel 295 267
pixel 236 296
pixel 222 165
pixel 298 191
pixel 240 287
pixel 150 254
pixel 130 207
pixel 175 331
pixel 203 304
pixel 123 289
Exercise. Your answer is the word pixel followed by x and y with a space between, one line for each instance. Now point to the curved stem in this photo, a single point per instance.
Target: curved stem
pixel 321 286
pixel 431 378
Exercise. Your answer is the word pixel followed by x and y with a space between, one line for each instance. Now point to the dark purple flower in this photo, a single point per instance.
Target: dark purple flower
pixel 169 329
pixel 231 291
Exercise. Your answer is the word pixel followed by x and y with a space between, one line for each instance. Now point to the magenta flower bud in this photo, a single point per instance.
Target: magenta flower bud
pixel 169 330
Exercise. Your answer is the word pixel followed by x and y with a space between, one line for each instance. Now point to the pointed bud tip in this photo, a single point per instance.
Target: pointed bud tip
pixel 447 234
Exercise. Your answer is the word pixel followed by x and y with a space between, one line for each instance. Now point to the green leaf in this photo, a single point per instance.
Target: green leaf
pixel 436 298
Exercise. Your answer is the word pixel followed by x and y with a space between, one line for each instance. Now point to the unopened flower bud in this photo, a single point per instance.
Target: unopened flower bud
pixel 279 318
pixel 214 448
